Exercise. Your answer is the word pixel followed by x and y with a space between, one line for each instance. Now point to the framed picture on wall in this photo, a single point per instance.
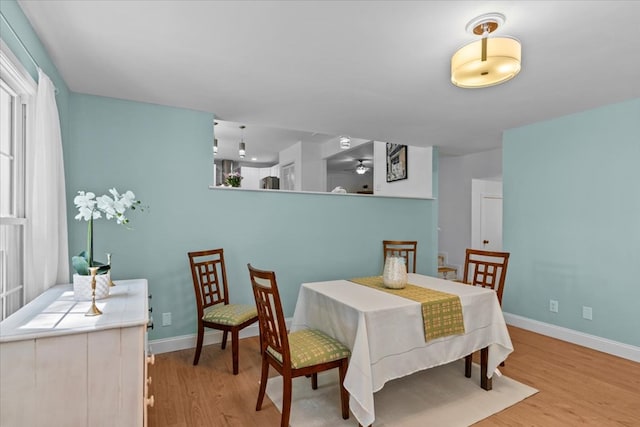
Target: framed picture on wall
pixel 396 162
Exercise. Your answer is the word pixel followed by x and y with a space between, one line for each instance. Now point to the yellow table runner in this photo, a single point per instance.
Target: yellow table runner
pixel 441 312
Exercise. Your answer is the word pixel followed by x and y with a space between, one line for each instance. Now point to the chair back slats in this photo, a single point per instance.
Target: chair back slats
pixel 209 282
pixel 406 249
pixel 487 269
pixel 209 278
pixel 271 321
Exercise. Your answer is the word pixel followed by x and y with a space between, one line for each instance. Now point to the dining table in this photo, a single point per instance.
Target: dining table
pixel 386 333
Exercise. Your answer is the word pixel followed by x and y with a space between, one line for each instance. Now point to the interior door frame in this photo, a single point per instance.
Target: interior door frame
pixel 481 188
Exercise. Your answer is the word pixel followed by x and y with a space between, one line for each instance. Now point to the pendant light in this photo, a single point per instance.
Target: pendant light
pixel 241 147
pixel 215 140
pixel 489 61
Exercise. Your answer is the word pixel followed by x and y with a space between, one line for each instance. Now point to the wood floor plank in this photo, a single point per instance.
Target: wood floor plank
pixel 578 386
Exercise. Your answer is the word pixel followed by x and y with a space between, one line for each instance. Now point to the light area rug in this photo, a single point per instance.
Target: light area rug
pixel 440 396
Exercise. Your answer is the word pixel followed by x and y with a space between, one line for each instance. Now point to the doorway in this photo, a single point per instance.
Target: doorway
pixel 486 214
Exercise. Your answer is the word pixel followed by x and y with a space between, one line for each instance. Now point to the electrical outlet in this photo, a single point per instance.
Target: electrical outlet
pixel 587 313
pixel 166 319
pixel 553 306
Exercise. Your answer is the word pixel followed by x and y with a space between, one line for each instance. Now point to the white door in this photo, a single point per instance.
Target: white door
pixel 491 223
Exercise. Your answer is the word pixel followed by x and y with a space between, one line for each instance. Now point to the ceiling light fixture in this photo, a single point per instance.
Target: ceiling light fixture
pixel 215 140
pixel 489 61
pixel 361 169
pixel 345 142
pixel 241 147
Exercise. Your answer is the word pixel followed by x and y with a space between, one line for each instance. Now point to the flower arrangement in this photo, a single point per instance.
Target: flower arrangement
pixel 90 208
pixel 233 179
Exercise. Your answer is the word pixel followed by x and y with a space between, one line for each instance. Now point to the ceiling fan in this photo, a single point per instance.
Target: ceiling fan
pixel 360 168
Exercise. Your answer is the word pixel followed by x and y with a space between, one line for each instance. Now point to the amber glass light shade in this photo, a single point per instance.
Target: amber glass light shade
pixel 502 63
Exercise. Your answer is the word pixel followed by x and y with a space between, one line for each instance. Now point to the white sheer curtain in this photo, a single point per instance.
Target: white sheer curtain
pixel 46 247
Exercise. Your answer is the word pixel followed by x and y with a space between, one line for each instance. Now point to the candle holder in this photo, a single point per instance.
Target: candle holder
pixel 93 310
pixel 111 283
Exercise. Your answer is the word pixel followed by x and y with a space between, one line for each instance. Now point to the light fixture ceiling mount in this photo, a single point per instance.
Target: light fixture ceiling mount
pixel 489 22
pixel 345 142
pixel 489 61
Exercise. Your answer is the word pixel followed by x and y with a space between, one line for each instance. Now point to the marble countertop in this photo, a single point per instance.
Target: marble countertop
pixel 56 312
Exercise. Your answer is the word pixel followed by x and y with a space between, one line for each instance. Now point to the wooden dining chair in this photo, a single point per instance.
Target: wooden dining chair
pixel 489 270
pixel 402 248
pixel 301 353
pixel 212 301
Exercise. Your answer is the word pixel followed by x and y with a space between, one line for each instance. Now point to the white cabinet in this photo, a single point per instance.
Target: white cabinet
pixel 270 171
pixel 264 172
pixel 61 368
pixel 250 178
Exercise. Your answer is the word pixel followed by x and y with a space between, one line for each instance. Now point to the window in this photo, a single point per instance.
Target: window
pixel 17 90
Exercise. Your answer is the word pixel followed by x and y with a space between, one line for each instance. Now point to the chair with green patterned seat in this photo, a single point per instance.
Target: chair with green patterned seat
pixel 212 300
pixel 301 353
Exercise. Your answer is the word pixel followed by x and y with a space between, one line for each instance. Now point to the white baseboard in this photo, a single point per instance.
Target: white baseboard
pixel 166 345
pixel 615 348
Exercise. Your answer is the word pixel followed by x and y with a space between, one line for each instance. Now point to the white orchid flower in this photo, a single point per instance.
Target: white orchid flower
pixel 107 205
pixel 112 207
pixel 85 200
pixel 87 213
pixel 114 193
pixel 120 206
pixel 128 199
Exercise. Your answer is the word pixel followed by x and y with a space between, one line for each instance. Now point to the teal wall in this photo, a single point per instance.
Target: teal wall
pixel 164 156
pixel 572 220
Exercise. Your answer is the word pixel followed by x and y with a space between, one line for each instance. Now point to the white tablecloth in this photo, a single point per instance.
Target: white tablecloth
pixel 386 335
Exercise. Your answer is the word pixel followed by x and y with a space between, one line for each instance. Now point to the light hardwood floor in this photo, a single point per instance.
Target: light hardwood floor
pixel 578 387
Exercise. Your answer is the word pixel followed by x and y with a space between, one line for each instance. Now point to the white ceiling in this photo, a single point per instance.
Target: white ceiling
pixel 374 70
